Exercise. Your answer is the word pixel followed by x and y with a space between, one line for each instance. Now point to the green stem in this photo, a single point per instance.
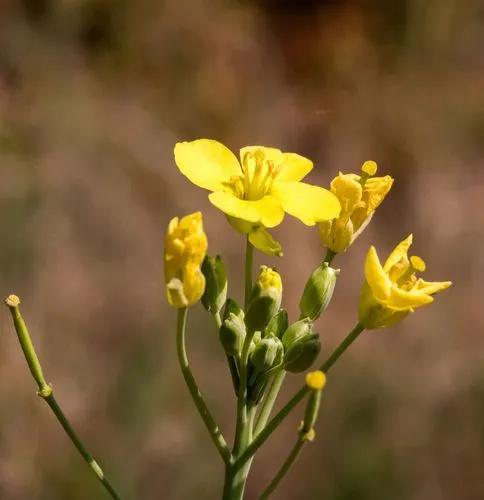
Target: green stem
pixel 274 423
pixel 202 408
pixel 283 470
pixel 46 393
pixel 269 401
pixel 347 341
pixel 249 258
pixel 306 433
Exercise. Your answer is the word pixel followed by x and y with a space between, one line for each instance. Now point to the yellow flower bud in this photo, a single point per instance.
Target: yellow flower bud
pixel 265 299
pixel 359 196
pixel 316 380
pixel 392 291
pixel 185 249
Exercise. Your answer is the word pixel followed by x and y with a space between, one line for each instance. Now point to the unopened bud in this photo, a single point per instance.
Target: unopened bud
pixel 215 293
pixel 302 354
pixel 267 353
pixel 297 331
pixel 232 332
pixel 277 325
pixel 265 299
pixel 318 291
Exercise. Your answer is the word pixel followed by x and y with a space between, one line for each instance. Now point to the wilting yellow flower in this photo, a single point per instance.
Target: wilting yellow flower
pixel 255 192
pixel 185 249
pixel 392 291
pixel 359 197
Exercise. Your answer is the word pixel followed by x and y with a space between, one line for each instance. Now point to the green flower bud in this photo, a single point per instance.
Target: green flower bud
pixel 266 353
pixel 265 299
pixel 231 306
pixel 232 334
pixel 215 293
pixel 255 340
pixel 318 291
pixel 302 354
pixel 297 331
pixel 277 325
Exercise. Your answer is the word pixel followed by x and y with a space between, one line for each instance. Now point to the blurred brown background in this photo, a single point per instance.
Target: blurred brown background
pixel 93 96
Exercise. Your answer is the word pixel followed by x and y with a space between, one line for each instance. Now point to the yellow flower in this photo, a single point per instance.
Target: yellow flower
pixel 392 291
pixel 255 192
pixel 185 249
pixel 359 197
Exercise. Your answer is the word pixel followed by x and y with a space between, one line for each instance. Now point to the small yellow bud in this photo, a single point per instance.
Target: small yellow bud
pixel 12 301
pixel 316 380
pixel 265 299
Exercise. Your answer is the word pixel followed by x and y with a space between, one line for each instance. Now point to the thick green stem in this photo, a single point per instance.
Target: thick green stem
pixel 274 423
pixel 46 393
pixel 203 410
pixel 269 401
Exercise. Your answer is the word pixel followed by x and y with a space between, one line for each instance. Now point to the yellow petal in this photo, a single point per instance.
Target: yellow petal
pixel 376 188
pixel 267 211
pixel 400 251
pixel 402 300
pixel 431 287
pixel 348 190
pixel 308 203
pixel 272 154
pixel 263 241
pixel 294 167
pixel 378 281
pixel 206 163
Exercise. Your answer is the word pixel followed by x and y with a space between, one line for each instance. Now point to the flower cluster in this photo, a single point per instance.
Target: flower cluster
pixel 260 342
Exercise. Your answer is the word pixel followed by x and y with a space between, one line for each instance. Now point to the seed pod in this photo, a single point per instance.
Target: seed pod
pixel 318 291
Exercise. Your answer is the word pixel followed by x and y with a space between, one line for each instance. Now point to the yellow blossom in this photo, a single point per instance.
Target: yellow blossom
pixel 359 196
pixel 256 192
pixel 185 249
pixel 392 291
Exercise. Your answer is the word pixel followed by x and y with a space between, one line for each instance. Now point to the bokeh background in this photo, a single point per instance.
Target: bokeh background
pixel 93 96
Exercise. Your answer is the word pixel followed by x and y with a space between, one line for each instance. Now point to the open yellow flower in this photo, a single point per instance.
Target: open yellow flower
pixel 392 291
pixel 360 196
pixel 255 192
pixel 185 249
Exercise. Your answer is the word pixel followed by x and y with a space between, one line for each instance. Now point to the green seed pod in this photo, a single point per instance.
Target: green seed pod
pixel 267 351
pixel 215 293
pixel 318 291
pixel 232 334
pixel 301 355
pixel 297 331
pixel 277 325
pixel 265 300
